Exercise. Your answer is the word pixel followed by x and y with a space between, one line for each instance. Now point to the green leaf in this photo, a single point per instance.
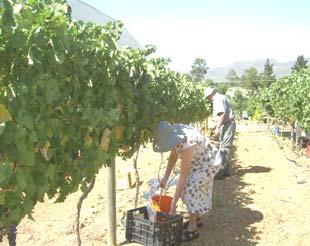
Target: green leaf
pixel 51 90
pixel 4 114
pixel 12 198
pixel 38 37
pixel 84 187
pixel 6 172
pixel 28 205
pixel 21 180
pixel 33 138
pixel 50 171
pixel 2 175
pixel 27 121
pixel 15 215
pixel 7 17
pixel 35 56
pixel 30 216
pixel 25 156
pixel 18 40
pixel 30 190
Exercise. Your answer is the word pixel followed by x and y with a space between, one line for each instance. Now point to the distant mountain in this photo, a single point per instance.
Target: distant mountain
pixel 280 68
pixel 85 12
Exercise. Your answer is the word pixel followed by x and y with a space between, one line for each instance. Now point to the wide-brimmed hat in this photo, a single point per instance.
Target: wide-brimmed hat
pixel 167 136
pixel 209 91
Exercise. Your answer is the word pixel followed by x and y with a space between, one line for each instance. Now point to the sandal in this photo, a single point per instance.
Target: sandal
pixel 190 235
pixel 199 224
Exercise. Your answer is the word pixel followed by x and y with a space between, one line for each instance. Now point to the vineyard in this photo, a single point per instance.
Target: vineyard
pixel 72 100
pixel 288 99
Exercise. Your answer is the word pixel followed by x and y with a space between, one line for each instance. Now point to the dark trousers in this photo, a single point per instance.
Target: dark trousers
pixel 227 133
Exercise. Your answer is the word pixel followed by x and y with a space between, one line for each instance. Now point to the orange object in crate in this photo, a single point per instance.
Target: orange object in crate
pixel 162 203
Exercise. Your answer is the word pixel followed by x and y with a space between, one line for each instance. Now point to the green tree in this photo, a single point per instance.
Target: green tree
pixel 251 80
pixel 252 105
pixel 199 69
pixel 238 101
pixel 209 82
pixel 232 76
pixel 222 88
pixel 268 76
pixel 188 77
pixel 300 63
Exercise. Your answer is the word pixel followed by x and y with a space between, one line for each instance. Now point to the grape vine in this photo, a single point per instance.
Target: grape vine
pixel 71 100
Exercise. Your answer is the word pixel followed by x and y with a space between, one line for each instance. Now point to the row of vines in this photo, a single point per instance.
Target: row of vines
pixel 71 100
pixel 288 99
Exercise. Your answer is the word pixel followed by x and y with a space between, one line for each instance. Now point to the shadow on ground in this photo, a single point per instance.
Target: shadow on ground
pixel 231 223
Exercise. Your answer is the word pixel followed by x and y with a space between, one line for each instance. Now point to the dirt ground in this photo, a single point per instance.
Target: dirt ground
pixel 265 202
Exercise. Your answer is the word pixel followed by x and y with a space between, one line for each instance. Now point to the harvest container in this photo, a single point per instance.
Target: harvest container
pixel 166 230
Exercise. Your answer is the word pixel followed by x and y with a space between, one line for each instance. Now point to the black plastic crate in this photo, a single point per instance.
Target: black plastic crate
pixel 140 229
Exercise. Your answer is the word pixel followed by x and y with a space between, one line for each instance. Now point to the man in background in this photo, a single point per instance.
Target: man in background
pixel 225 127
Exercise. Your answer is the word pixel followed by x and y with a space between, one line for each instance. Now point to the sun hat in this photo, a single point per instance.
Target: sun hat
pixel 167 136
pixel 209 91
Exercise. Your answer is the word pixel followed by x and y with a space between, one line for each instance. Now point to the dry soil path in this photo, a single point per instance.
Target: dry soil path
pixel 265 202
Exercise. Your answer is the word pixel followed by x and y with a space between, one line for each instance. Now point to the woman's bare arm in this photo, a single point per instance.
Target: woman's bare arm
pixel 186 162
pixel 173 157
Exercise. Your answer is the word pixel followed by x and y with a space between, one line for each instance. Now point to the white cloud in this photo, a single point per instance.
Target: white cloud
pixel 220 41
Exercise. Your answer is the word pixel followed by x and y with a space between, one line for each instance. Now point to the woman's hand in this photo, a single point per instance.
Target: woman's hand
pixel 163 183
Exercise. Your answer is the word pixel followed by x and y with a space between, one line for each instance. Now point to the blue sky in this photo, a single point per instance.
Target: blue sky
pixel 221 31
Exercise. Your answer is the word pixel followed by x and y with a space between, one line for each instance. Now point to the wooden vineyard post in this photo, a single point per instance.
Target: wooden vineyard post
pixel 298 133
pixel 292 136
pixel 111 209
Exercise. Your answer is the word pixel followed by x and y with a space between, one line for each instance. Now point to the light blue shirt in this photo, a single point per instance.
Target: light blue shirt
pixel 221 104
